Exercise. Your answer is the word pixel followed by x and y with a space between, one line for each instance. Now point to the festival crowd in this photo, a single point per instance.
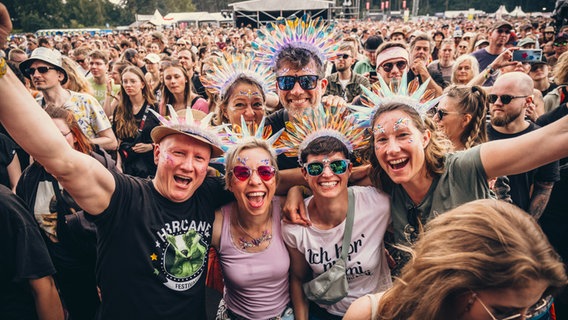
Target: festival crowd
pixel 304 170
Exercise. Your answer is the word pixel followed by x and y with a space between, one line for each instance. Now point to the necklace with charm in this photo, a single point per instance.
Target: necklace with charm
pixel 255 242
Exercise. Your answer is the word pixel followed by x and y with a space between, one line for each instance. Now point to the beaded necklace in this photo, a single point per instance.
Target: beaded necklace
pixel 255 242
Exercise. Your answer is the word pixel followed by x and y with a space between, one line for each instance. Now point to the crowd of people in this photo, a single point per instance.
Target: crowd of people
pixel 421 164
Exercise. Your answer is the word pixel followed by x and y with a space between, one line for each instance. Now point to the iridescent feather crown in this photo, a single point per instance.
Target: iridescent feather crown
pixel 319 122
pixel 413 94
pixel 232 137
pixel 314 35
pixel 229 68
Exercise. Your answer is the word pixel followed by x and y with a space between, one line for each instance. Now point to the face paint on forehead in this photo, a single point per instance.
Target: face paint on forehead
pixel 401 124
pixel 283 71
pixel 243 160
pixel 265 162
pixel 309 70
pixel 379 129
pixel 249 93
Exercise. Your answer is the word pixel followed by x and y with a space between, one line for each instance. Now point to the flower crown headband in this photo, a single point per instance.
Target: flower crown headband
pixel 417 96
pixel 333 122
pixel 314 35
pixel 229 68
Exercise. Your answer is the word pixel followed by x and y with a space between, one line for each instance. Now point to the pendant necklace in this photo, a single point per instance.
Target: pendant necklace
pixel 255 242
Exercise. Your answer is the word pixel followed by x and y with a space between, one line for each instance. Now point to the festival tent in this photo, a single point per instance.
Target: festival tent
pixel 518 12
pixel 257 12
pixel 502 11
pixel 144 21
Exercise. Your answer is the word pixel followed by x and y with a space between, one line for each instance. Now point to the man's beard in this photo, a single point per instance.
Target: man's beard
pixel 503 121
pixel 342 68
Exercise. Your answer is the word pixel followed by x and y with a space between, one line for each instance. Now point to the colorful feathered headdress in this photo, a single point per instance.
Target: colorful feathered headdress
pixel 319 122
pixel 314 35
pixel 229 68
pixel 413 94
pixel 239 134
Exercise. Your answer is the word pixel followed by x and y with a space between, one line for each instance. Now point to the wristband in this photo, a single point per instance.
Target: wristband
pixel 490 72
pixel 3 67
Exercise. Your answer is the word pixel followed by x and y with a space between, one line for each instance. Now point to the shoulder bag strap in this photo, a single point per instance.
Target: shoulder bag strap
pixel 348 225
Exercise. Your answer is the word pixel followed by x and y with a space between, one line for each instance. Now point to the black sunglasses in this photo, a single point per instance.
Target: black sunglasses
pixel 343 56
pixel 441 113
pixel 42 70
pixel 506 31
pixel 389 65
pixel 316 168
pixel 80 60
pixel 307 82
pixel 505 99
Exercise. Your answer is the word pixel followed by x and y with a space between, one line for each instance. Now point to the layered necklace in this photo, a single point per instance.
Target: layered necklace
pixel 266 235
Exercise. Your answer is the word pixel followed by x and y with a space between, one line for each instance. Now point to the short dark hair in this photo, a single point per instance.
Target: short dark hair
pixel 298 58
pixel 323 145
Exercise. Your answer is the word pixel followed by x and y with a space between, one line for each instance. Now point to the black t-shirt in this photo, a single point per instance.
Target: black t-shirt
pixel 521 183
pixel 550 88
pixel 152 252
pixel 7 152
pixel 24 257
pixel 554 220
pixel 198 86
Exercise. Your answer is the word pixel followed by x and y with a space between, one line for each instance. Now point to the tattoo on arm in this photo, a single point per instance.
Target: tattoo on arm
pixel 540 197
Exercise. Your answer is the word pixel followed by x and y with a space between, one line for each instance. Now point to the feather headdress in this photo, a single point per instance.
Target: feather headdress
pixel 229 68
pixel 319 122
pixel 237 135
pixel 314 35
pixel 197 128
pixel 413 94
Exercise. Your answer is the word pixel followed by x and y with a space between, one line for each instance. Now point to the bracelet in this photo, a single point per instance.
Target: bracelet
pixel 3 67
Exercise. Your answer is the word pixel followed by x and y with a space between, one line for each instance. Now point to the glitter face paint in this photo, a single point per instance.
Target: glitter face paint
pixel 265 162
pixel 243 161
pixel 401 123
pixel 379 129
pixel 249 93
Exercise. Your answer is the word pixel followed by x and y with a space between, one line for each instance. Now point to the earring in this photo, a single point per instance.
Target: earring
pixel 470 302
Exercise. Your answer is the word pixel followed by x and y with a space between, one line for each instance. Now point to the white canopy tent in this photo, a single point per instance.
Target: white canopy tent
pixel 502 11
pixel 518 12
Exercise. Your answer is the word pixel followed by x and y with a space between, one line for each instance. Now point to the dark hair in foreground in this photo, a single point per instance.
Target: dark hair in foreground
pixel 484 244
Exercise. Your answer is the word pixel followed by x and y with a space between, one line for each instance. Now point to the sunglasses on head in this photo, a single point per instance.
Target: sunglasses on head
pixel 307 82
pixel 505 99
pixel 343 56
pixel 42 70
pixel 401 65
pixel 316 168
pixel 264 172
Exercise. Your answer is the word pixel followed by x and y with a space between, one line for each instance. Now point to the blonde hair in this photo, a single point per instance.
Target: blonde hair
pixel 76 81
pixel 480 245
pixel 472 61
pixel 561 70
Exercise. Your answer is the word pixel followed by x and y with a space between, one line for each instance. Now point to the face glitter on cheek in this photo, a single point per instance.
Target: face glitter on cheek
pixel 401 123
pixel 168 158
